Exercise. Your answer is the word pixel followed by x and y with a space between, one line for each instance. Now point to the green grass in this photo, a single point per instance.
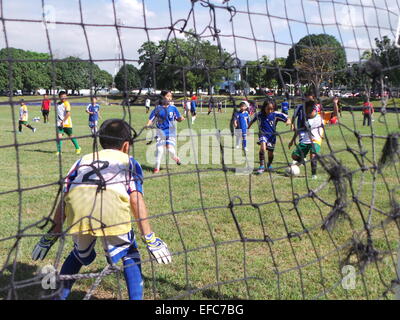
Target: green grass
pixel 189 210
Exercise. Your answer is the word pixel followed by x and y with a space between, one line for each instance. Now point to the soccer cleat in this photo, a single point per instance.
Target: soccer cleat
pixel 34 130
pixel 78 151
pixel 57 153
pixel 156 170
pixel 177 160
pixel 270 168
pixel 260 170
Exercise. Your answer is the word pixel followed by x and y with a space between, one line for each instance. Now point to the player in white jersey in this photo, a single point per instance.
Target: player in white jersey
pixel 101 191
pixel 23 117
pixel 310 138
pixel 147 103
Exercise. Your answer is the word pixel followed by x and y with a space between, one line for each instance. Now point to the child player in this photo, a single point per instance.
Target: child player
pixel 193 106
pixel 101 192
pixel 241 123
pixel 23 117
pixel 285 106
pixel 46 108
pixel 310 138
pixel 164 117
pixel 64 122
pixel 93 109
pixel 267 120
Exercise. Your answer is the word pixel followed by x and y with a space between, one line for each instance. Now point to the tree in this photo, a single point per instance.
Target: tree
pixel 324 44
pixel 127 78
pixel 315 65
pixel 389 58
pixel 26 75
pixel 188 63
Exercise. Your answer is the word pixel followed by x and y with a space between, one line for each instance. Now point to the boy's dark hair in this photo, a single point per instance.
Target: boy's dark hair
pixel 114 132
pixel 309 106
pixel 61 93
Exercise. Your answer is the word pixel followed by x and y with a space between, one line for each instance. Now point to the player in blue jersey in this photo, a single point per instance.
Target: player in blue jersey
pixel 285 106
pixel 299 117
pixel 93 109
pixel 101 193
pixel 241 124
pixel 267 120
pixel 164 117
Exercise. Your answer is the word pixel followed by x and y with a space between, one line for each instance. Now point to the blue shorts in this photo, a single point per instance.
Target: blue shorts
pixel 270 141
pixel 115 247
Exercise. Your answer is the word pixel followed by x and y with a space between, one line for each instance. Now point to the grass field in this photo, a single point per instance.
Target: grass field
pixel 189 210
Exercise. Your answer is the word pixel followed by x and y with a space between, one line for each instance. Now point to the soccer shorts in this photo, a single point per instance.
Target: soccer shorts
pixel 270 141
pixel 93 124
pixel 45 112
pixel 303 149
pixel 241 133
pixel 166 141
pixel 23 122
pixel 115 247
pixel 63 130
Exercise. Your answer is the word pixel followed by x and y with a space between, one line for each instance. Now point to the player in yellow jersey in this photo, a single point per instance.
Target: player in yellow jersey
pixel 23 117
pixel 100 192
pixel 64 122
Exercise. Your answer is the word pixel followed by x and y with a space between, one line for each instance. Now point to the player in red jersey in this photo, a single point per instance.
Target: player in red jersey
pixel 46 103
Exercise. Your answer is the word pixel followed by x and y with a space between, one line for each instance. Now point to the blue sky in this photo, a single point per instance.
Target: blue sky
pixel 275 24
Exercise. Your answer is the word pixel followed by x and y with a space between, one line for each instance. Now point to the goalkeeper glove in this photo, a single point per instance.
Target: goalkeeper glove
pixel 43 246
pixel 158 248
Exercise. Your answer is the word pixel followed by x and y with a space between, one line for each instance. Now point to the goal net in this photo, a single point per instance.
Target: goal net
pixel 328 229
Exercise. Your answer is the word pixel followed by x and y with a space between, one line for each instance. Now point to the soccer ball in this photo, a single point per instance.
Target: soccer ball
pixel 293 170
pixel 36 119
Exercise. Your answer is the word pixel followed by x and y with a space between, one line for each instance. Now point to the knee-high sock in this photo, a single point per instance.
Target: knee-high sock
pixel 262 158
pixel 20 127
pixel 133 278
pixel 270 158
pixel 75 142
pixel 314 166
pixel 59 145
pixel 159 154
pixel 71 266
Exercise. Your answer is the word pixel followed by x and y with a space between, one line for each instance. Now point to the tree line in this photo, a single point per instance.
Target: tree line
pixel 191 63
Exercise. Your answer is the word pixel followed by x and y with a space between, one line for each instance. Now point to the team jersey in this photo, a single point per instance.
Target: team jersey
pixel 62 109
pixel 23 113
pixel 98 204
pixel 368 108
pixel 285 106
pixel 147 103
pixel 93 108
pixel 267 123
pixel 46 104
pixel 164 118
pixel 314 131
pixel 242 119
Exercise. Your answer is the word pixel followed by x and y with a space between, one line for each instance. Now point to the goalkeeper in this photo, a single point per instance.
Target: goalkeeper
pixel 100 192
